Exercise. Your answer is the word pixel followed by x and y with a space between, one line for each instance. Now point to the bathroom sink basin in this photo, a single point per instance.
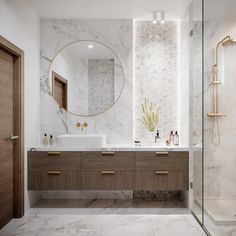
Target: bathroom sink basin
pixel 82 140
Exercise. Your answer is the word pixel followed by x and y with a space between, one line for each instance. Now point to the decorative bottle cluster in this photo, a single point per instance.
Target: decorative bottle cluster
pixel 173 139
pixel 48 140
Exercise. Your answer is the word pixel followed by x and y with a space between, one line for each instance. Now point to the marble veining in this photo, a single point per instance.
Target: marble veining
pixel 102 222
pixel 115 148
pixel 117 122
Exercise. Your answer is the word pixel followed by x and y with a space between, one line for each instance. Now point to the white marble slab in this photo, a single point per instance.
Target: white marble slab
pixel 115 148
pixel 42 222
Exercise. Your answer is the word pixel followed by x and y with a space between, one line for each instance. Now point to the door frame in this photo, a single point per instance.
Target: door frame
pixel 18 125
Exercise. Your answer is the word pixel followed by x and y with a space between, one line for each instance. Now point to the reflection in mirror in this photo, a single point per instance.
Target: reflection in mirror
pixel 86 78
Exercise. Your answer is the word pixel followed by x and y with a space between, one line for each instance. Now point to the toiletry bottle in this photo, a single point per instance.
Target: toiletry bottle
pixel 51 140
pixel 45 139
pixel 176 139
pixel 157 137
pixel 172 137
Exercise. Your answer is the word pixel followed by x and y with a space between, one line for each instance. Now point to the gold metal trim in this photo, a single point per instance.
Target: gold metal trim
pixel 54 172
pixel 162 153
pixel 123 84
pixel 54 153
pixel 162 172
pixel 216 82
pixel 215 114
pixel 108 153
pixel 108 172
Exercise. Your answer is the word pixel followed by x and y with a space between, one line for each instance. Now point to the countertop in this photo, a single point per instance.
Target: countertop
pixel 113 148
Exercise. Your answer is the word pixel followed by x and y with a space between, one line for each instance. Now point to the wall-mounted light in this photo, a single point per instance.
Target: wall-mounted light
pixel 154 17
pixel 90 46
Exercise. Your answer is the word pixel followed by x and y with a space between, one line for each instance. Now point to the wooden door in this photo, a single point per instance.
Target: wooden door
pixel 6 144
pixel 11 132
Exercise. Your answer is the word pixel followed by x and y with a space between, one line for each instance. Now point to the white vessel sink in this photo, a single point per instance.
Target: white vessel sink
pixel 82 140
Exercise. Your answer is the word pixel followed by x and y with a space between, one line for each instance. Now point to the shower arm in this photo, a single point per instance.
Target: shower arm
pixel 227 38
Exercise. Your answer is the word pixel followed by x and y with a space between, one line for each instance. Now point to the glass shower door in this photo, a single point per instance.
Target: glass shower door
pixel 196 107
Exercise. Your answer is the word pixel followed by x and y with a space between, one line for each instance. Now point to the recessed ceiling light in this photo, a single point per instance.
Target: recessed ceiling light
pixel 90 46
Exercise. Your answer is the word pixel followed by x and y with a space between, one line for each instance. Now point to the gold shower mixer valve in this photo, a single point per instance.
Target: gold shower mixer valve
pixel 214 70
pixel 82 126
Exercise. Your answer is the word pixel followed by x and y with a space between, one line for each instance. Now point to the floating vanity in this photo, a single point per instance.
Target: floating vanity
pixel 133 168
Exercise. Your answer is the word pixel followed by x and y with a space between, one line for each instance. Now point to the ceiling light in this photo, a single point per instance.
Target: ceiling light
pixel 90 46
pixel 154 17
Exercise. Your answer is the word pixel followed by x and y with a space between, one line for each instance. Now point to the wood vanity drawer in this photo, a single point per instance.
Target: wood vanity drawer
pixel 162 161
pixel 161 180
pixel 108 180
pixel 55 178
pixel 41 160
pixel 108 160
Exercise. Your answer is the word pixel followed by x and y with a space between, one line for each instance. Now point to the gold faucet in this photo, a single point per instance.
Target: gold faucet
pixel 84 125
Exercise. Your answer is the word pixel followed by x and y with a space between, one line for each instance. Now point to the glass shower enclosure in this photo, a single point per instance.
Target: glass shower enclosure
pixel 212 75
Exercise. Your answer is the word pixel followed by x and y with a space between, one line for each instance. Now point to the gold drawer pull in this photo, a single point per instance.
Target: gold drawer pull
pixel 162 172
pixel 54 172
pixel 162 153
pixel 108 172
pixel 54 153
pixel 107 153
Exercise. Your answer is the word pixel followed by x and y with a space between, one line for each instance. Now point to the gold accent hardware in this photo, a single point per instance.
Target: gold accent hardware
pixel 215 114
pixel 54 153
pixel 54 172
pixel 162 172
pixel 108 172
pixel 78 125
pixel 107 153
pixel 162 153
pixel 84 125
pixel 216 82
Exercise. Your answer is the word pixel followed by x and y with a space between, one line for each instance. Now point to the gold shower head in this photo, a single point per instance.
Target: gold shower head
pixel 228 42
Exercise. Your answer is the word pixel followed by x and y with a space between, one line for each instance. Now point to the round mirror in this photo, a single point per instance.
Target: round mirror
pixel 86 78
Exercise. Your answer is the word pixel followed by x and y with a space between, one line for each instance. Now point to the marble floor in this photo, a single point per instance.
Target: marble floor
pixel 103 220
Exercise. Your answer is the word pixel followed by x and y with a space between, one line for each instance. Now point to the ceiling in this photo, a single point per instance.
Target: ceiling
pixel 108 9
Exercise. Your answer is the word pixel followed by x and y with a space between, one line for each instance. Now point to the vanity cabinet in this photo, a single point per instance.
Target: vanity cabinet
pixel 54 171
pixel 108 170
pixel 161 171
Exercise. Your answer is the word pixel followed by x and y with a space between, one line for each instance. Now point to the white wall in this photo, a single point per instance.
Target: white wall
pixel 20 25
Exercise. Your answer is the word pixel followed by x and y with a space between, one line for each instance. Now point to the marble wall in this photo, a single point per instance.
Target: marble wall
pixel 156 76
pixel 117 122
pixel 220 160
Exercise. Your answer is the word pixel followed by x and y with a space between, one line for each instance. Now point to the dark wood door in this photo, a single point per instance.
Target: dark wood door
pixel 6 144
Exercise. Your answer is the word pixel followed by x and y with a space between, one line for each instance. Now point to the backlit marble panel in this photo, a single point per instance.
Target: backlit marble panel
pixel 156 76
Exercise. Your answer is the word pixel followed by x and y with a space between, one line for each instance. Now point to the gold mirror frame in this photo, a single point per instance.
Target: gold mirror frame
pixel 123 84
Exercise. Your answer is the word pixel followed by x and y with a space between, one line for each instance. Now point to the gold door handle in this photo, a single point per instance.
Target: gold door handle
pixel 162 172
pixel 14 137
pixel 54 153
pixel 108 172
pixel 161 153
pixel 54 172
pixel 108 153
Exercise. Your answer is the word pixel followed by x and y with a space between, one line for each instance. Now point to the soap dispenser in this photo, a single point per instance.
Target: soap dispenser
pixel 51 141
pixel 176 138
pixel 45 140
pixel 157 137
